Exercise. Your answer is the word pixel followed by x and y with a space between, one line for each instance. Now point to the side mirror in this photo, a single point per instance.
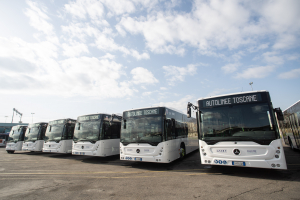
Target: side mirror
pixel 189 112
pixel 124 125
pixel 279 114
pixel 173 125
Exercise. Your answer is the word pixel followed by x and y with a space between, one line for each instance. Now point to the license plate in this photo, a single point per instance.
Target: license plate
pixel 237 163
pixel 82 153
pixel 138 159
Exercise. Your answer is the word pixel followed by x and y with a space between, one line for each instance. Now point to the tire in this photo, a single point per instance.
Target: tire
pixel 182 151
pixel 10 151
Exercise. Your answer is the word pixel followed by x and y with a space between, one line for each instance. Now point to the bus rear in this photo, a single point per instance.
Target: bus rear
pixel 96 135
pixel 59 136
pixel 16 139
pixel 3 139
pixel 34 137
pixel 240 130
pixel 156 135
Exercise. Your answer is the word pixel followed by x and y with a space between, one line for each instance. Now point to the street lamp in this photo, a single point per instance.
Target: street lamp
pixel 251 85
pixel 32 116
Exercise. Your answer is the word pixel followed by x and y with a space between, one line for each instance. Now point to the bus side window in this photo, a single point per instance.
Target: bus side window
pixel 115 130
pixel 106 130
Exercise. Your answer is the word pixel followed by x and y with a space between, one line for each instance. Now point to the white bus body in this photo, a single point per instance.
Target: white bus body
pixel 59 136
pixel 240 130
pixel 16 139
pixel 94 135
pixel 156 135
pixel 34 137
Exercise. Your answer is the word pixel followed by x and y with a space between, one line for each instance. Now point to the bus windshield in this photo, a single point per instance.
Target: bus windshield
pixel 142 130
pixel 248 122
pixel 87 131
pixel 54 132
pixel 14 135
pixel 32 133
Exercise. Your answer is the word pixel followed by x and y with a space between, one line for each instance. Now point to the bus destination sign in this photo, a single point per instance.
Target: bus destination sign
pixel 232 100
pixel 57 122
pixel 142 112
pixel 91 117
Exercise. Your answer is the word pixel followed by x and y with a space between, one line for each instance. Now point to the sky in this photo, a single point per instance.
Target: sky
pixel 67 58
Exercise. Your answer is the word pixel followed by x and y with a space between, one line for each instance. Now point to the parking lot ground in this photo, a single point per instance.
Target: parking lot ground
pixel 27 175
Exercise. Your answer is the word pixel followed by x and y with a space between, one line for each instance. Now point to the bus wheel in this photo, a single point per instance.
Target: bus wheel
pixel 10 151
pixel 182 151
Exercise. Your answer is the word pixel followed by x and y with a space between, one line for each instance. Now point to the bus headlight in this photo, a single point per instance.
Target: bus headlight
pixel 204 154
pixel 277 151
pixel 276 156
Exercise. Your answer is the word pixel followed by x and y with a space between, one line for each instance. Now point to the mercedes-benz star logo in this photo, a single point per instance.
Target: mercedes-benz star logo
pixel 236 151
pixel 82 147
pixel 138 151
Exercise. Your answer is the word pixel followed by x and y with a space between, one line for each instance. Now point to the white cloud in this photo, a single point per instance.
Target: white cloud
pixel 217 24
pixel 273 58
pixel 74 49
pixel 295 73
pixel 142 76
pixel 230 68
pixel 163 88
pixel 108 56
pixel 255 72
pixel 175 74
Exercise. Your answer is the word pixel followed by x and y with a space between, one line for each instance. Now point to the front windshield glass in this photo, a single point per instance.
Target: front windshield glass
pixel 14 135
pixel 87 131
pixel 142 130
pixel 32 133
pixel 250 122
pixel 54 132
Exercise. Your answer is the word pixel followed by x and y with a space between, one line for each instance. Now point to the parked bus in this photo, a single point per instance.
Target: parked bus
pixel 240 130
pixel 3 139
pixel 5 128
pixel 16 139
pixel 95 135
pixel 157 134
pixel 290 126
pixel 34 137
pixel 59 136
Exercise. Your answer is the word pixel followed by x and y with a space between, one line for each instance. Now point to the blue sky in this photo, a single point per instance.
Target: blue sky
pixel 63 59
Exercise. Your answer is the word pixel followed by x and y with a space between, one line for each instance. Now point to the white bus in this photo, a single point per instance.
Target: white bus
pixel 240 130
pixel 95 135
pixel 34 137
pixel 157 134
pixel 59 136
pixel 16 139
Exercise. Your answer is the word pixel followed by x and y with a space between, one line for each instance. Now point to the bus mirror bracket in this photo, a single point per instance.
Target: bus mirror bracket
pixel 279 114
pixel 189 110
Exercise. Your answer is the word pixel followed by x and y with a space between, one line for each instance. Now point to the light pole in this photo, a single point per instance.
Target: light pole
pixel 251 85
pixel 32 117
pixel 6 118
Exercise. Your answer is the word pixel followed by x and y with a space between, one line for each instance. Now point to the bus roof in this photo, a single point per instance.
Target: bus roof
pixel 223 95
pixel 95 114
pixel 292 106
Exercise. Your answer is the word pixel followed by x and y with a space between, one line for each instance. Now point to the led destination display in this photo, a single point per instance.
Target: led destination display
pixel 91 117
pixel 57 122
pixel 232 100
pixel 142 112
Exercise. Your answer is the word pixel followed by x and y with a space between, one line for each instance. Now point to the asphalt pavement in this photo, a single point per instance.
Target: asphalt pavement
pixel 27 175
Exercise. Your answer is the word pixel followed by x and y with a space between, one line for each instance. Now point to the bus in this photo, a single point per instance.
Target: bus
pixel 290 126
pixel 16 139
pixel 96 135
pixel 3 139
pixel 59 136
pixel 34 137
pixel 157 134
pixel 240 129
pixel 5 128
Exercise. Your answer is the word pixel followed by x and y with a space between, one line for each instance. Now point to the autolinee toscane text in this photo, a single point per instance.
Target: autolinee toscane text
pixel 232 100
